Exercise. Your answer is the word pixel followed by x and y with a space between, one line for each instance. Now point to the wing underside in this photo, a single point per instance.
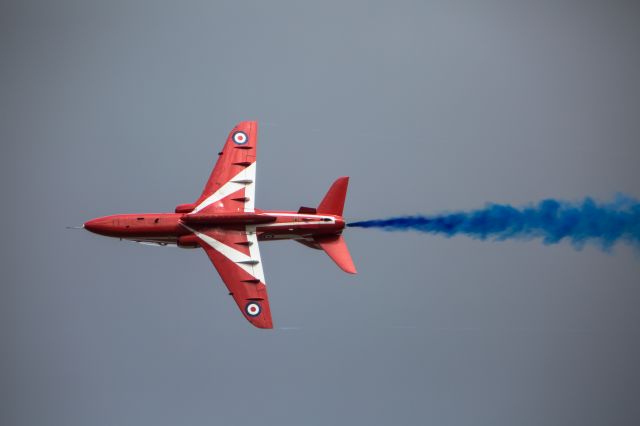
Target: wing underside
pixel 234 251
pixel 236 257
pixel 231 185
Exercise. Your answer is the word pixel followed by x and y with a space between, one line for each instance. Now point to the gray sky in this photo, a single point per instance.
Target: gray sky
pixel 114 107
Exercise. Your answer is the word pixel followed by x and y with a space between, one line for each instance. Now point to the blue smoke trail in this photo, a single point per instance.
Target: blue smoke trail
pixel 552 220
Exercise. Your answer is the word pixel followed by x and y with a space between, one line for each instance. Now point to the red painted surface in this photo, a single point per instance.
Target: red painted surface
pixel 149 227
pixel 225 224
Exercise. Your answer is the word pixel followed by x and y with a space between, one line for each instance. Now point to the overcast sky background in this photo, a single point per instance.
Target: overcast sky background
pixel 115 107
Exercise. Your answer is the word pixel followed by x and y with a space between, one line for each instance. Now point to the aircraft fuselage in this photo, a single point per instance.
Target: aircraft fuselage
pixel 225 223
pixel 176 228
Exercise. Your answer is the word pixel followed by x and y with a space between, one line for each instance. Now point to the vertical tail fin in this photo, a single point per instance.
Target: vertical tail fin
pixel 333 202
pixel 334 245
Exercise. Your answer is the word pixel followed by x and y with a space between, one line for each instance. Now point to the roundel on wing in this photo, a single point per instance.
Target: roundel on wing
pixel 240 138
pixel 253 309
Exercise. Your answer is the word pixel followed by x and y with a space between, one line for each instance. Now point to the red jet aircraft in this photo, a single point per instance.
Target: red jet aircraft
pixel 224 222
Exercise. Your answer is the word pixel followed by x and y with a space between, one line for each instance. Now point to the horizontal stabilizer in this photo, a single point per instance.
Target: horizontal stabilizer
pixel 337 250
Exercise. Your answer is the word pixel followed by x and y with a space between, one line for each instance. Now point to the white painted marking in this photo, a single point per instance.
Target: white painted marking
pixel 254 252
pixel 247 174
pixel 235 255
pixel 240 138
pixel 276 224
pixel 253 309
pixel 300 215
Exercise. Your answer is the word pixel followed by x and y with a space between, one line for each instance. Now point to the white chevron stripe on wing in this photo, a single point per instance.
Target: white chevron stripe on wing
pixel 254 251
pixel 248 174
pixel 247 263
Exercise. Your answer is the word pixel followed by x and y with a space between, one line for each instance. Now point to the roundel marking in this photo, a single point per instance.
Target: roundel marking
pixel 240 138
pixel 253 309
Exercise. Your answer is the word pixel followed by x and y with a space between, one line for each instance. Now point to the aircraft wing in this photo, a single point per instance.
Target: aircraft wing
pixel 235 254
pixel 231 185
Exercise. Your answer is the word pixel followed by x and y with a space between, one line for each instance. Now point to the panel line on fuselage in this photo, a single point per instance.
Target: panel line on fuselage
pixel 319 219
pixel 275 224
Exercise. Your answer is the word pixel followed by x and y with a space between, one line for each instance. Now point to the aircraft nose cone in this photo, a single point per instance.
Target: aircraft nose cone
pixel 100 225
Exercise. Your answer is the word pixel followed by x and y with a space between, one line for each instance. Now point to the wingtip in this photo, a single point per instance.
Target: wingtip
pixel 347 266
pixel 263 324
pixel 349 269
